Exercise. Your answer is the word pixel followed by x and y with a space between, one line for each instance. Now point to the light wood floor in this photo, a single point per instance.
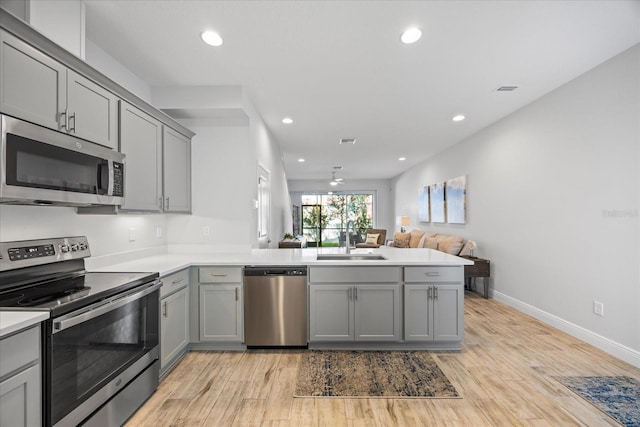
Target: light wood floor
pixel 505 374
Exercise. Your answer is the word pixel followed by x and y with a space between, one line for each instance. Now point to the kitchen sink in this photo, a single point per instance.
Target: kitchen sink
pixel 350 257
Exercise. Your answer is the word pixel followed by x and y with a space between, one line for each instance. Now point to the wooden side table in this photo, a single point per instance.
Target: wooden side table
pixel 480 268
pixel 290 244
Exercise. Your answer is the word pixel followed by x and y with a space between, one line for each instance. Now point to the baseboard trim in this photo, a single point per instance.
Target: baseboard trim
pixel 615 349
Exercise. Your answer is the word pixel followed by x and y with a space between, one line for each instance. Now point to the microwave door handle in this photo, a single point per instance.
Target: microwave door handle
pixel 102 308
pixel 104 178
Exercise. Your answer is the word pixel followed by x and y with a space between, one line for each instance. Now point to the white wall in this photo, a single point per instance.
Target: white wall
pixel 553 193
pixel 383 215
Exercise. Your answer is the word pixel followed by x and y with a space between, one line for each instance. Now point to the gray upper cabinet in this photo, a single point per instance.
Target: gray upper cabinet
pixel 36 88
pixel 33 86
pixel 176 150
pixel 92 111
pixel 141 142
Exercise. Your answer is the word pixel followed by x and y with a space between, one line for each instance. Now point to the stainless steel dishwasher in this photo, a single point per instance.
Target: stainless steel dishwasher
pixel 275 306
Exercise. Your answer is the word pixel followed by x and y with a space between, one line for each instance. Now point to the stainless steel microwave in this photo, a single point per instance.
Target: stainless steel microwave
pixel 46 167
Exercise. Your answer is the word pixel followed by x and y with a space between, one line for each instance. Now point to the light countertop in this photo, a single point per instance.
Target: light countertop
pixel 13 321
pixel 172 262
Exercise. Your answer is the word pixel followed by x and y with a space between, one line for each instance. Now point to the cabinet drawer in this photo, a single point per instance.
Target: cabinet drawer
pixel 173 282
pixel 433 274
pixel 19 350
pixel 220 275
pixel 350 274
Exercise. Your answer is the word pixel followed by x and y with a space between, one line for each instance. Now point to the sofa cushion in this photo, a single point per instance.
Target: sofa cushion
pixel 450 244
pixel 401 240
pixel 415 237
pixel 430 242
pixel 372 239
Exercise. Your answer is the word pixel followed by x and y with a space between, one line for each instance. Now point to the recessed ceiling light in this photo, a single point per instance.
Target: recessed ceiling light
pixel 411 35
pixel 211 38
pixel 350 141
pixel 458 118
pixel 301 160
pixel 402 159
pixel 287 120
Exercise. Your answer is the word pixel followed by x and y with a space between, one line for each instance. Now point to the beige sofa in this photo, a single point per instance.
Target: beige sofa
pixel 454 245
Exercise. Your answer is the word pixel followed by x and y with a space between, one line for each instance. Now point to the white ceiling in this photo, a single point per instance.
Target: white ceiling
pixel 339 70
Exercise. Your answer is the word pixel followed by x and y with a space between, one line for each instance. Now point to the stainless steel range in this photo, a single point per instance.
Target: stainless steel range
pixel 100 345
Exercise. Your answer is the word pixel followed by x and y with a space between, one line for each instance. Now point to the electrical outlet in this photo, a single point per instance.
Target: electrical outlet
pixel 206 230
pixel 132 234
pixel 159 232
pixel 598 308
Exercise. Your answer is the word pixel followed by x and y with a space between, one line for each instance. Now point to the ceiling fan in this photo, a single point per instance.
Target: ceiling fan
pixel 335 181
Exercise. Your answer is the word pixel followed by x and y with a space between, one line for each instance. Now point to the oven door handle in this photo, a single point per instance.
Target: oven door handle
pixel 92 312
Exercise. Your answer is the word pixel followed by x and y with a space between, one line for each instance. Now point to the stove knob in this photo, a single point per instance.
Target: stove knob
pixel 74 247
pixel 64 248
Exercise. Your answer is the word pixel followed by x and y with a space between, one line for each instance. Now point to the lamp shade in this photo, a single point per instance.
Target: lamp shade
pixel 404 221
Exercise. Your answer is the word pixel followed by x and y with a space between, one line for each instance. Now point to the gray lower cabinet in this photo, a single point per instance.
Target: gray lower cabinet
pixel 355 312
pixel 433 304
pixel 20 379
pixel 37 88
pixel 220 304
pixel 174 317
pixel 354 303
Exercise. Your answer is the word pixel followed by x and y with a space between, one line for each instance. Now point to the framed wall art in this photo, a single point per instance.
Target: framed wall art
pixel 424 210
pixel 456 196
pixel 437 202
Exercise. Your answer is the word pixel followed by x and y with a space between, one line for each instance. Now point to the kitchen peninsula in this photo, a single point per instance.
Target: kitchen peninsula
pixel 403 299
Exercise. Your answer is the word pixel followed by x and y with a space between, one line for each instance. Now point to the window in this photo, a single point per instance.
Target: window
pixel 325 217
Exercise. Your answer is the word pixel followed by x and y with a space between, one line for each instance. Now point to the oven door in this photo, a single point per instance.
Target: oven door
pixel 94 352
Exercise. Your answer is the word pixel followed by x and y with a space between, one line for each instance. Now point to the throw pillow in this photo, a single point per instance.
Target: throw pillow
pixel 416 235
pixel 401 240
pixel 372 239
pixel 430 243
pixel 450 244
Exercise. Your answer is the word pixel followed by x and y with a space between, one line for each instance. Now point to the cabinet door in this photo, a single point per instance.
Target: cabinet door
pixel 93 111
pixel 418 313
pixel 20 400
pixel 32 85
pixel 141 142
pixel 448 311
pixel 331 313
pixel 177 171
pixel 221 313
pixel 174 325
pixel 377 312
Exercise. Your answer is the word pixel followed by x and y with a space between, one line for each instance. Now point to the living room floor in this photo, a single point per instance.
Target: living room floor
pixel 504 373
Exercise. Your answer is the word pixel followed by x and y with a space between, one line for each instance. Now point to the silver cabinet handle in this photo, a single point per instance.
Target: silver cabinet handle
pixel 355 290
pixel 74 117
pixel 350 293
pixel 237 297
pixel 429 291
pixel 165 310
pixel 432 273
pixel 435 292
pixel 167 205
pixel 175 282
pixel 64 124
pixel 218 275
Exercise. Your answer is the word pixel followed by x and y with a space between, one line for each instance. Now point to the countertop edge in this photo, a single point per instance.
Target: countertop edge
pixel 15 321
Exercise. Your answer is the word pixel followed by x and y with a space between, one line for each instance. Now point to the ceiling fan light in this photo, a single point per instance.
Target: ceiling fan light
pixel 333 183
pixel 411 35
pixel 211 38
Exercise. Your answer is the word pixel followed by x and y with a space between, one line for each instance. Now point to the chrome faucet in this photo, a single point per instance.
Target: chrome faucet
pixel 347 239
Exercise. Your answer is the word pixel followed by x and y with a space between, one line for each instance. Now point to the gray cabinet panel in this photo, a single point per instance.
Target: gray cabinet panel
pixel 433 274
pixel 93 111
pixel 174 325
pixel 354 274
pixel 418 313
pixel 448 312
pixel 177 171
pixel 221 313
pixel 20 399
pixel 377 312
pixel 331 313
pixel 32 85
pixel 141 142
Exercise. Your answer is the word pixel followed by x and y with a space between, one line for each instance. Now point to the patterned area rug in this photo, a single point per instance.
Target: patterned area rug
pixel 386 374
pixel 619 397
